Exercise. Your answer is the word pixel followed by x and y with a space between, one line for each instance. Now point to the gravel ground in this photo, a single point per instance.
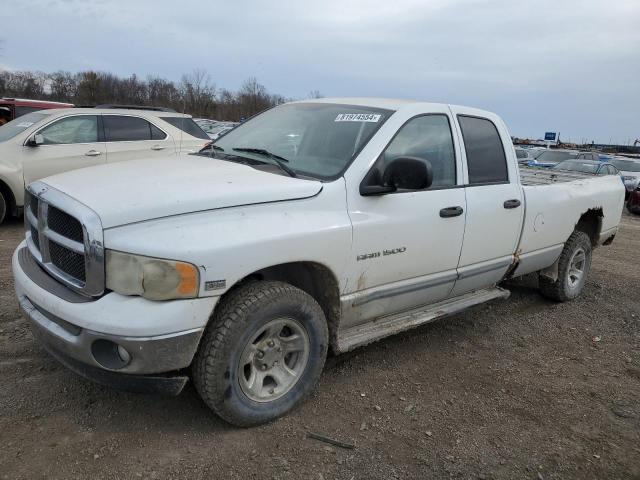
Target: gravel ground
pixel 519 389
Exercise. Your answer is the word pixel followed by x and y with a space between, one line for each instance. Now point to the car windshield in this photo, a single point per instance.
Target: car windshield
pixel 626 165
pixel 578 166
pixel 315 139
pixel 554 156
pixel 19 125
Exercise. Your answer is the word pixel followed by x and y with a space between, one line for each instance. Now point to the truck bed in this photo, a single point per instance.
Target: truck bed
pixel 546 176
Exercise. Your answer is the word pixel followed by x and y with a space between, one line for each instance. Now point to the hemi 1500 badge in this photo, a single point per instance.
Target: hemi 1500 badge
pixel 384 253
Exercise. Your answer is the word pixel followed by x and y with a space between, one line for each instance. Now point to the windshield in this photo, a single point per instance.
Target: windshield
pixel 14 127
pixel 554 156
pixel 315 139
pixel 626 165
pixel 578 166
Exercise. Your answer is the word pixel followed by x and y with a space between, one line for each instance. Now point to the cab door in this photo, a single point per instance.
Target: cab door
pixel 406 244
pixel 495 204
pixel 65 144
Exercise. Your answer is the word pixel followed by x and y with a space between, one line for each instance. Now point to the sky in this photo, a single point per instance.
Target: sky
pixel 546 65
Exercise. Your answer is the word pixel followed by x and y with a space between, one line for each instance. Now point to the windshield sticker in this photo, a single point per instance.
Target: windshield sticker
pixel 358 117
pixel 24 124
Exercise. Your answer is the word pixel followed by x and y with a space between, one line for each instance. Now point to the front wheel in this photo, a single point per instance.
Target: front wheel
pixel 573 267
pixel 262 353
pixel 3 208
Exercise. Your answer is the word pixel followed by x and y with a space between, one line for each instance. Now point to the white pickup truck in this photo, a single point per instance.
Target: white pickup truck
pixel 316 225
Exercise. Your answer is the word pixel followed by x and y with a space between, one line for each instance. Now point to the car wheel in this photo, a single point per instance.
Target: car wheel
pixel 3 208
pixel 573 267
pixel 262 353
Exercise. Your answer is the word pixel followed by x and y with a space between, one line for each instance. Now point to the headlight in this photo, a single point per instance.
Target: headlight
pixel 152 278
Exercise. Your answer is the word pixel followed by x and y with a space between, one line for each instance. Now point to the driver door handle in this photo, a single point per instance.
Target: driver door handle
pixel 93 153
pixel 158 147
pixel 514 203
pixel 449 212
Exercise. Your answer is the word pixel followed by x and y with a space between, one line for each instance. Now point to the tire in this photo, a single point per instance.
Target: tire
pixel 572 271
pixel 3 208
pixel 228 357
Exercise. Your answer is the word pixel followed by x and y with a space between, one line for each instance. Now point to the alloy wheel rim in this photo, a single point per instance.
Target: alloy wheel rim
pixel 577 266
pixel 273 360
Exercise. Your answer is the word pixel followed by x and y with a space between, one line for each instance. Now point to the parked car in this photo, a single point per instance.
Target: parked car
pixel 12 108
pixel 633 203
pixel 587 166
pixel 596 156
pixel 243 269
pixel 46 142
pixel 215 131
pixel 550 158
pixel 522 155
pixel 630 171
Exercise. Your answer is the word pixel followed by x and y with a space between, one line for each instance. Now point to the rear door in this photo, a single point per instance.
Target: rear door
pixel 494 201
pixel 68 143
pixel 130 137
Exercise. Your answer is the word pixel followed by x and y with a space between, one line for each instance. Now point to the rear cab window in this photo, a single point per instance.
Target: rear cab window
pixel 187 125
pixel 486 160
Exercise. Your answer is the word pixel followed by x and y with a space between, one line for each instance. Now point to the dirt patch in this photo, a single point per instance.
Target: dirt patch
pixel 519 389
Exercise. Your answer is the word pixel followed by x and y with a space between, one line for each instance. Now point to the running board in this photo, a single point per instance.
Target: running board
pixel 374 330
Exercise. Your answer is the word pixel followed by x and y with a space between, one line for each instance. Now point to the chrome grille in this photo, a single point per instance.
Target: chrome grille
pixel 68 261
pixel 64 224
pixel 65 237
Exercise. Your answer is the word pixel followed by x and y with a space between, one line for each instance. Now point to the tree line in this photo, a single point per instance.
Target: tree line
pixel 194 94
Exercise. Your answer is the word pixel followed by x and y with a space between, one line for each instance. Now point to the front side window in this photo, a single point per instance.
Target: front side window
pixel 428 137
pixel 76 129
pixel 316 139
pixel 121 128
pixel 486 160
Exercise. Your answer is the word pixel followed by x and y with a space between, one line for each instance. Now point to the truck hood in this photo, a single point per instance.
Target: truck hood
pixel 147 189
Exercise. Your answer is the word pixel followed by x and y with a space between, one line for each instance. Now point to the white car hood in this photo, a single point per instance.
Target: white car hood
pixel 128 192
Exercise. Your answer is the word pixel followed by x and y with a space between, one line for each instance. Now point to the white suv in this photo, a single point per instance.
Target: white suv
pixel 47 142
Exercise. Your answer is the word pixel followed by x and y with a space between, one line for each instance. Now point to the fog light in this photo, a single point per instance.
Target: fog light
pixel 123 354
pixel 109 354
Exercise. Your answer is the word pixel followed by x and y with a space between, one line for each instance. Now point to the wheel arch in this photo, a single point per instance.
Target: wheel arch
pixel 10 198
pixel 314 278
pixel 590 222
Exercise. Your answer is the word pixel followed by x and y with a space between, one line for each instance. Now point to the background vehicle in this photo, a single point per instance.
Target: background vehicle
pixel 324 223
pixel 630 171
pixel 587 166
pixel 47 142
pixel 522 155
pixel 549 158
pixel 215 131
pixel 11 108
pixel 633 203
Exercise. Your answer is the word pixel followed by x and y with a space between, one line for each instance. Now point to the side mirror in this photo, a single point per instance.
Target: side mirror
pixel 405 173
pixel 35 140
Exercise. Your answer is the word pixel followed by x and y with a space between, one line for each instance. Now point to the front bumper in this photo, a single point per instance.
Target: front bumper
pixel 64 326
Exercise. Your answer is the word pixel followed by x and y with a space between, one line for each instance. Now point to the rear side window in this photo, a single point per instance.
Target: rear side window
pixel 486 160
pixel 187 125
pixel 121 128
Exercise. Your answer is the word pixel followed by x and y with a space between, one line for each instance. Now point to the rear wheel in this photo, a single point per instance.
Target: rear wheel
pixel 573 267
pixel 262 353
